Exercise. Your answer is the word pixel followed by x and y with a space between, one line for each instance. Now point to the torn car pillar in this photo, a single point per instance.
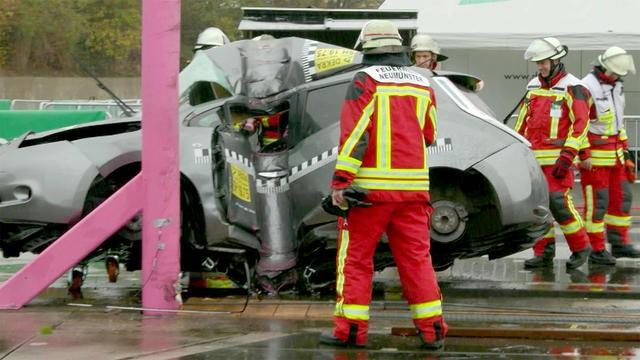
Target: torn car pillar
pixel 278 244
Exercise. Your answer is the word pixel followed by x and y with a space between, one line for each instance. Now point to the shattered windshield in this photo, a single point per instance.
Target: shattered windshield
pixel 202 70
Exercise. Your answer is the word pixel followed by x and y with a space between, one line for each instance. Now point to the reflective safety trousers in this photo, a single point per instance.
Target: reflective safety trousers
pixel 564 213
pixel 407 227
pixel 388 119
pixel 607 197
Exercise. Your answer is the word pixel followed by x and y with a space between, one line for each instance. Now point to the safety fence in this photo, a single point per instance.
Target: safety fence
pixel 111 108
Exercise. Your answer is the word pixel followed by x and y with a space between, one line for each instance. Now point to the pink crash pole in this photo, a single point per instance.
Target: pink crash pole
pixel 156 190
pixel 161 219
pixel 72 247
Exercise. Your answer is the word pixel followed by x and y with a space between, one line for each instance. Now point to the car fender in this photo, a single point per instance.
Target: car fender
pixel 519 185
pixel 51 187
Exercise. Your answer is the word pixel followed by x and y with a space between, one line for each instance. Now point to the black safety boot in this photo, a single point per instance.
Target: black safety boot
pixel 578 258
pixel 430 345
pixel 625 251
pixel 601 258
pixel 327 338
pixel 545 260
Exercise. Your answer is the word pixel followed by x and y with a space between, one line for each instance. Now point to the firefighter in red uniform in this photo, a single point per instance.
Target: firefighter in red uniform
pixel 388 119
pixel 273 127
pixel 609 173
pixel 554 117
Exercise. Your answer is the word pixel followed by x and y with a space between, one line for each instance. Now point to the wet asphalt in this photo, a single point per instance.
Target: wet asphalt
pixel 478 293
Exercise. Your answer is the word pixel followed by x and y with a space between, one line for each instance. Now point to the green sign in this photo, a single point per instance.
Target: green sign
pixel 5 104
pixel 14 123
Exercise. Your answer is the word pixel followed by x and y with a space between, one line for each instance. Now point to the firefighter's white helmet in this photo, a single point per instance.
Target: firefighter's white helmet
pixel 424 42
pixel 617 60
pixel 210 37
pixel 378 36
pixel 545 48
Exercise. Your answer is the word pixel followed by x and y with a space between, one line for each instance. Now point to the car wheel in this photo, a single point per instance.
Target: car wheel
pixel 448 221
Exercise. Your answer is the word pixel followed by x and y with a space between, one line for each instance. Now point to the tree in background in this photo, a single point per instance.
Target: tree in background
pixel 39 37
pixel 112 36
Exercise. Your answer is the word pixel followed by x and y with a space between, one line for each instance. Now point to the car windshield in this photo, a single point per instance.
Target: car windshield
pixel 472 104
pixel 201 70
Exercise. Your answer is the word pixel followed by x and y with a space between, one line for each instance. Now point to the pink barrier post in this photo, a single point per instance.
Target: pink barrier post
pixel 72 247
pixel 156 188
pixel 161 220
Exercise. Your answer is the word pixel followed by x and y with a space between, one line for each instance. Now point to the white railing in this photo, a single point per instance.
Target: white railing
pixel 109 106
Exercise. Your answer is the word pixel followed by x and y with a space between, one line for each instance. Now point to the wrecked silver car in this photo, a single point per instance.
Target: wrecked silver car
pixel 258 143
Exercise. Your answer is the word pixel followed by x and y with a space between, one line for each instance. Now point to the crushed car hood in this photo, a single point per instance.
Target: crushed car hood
pixel 262 68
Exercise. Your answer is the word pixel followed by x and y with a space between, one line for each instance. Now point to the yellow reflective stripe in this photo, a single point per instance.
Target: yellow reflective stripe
pixel 595 227
pixel 547 92
pixel 547 153
pixel 264 120
pixel 342 256
pixel 426 309
pixel 407 185
pixel 546 157
pixel 588 190
pixel 394 173
pixel 620 154
pixel 524 108
pixel 605 157
pixel 546 161
pixel 555 120
pixel 354 312
pixel 403 91
pixel 421 111
pixel 609 154
pixel 622 221
pixel 623 135
pixel 571 228
pixel 348 164
pixel 358 130
pixel 591 227
pixel 434 120
pixel 554 127
pixel 551 234
pixel 585 144
pixel 573 143
pixel 383 133
pixel 572 207
pixel 603 162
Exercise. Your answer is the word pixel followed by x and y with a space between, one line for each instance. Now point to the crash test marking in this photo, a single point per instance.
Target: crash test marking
pixel 441 145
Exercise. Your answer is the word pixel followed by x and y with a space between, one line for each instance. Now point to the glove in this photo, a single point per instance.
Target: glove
pixel 630 170
pixel 353 197
pixel 563 164
pixel 629 167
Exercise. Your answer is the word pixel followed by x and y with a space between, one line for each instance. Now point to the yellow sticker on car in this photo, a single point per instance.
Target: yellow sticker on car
pixel 329 59
pixel 240 184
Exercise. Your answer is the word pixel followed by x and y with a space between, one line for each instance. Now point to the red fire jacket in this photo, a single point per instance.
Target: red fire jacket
pixel 388 119
pixel 554 116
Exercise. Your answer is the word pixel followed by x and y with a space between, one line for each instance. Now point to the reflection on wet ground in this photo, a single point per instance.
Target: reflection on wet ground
pixel 478 293
pixel 305 346
pixel 86 333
